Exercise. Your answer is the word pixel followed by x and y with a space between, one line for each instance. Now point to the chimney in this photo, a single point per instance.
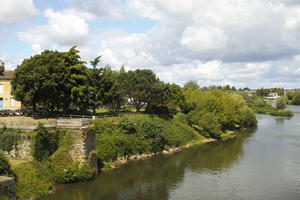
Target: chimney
pixel 1 67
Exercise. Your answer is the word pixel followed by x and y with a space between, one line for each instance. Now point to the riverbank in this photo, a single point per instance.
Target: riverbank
pixel 124 160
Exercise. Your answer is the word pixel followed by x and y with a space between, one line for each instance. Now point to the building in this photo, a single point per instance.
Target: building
pixel 272 97
pixel 7 101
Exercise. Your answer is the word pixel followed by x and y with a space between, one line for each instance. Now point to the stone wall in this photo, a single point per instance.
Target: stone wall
pixel 8 187
pixel 83 148
pixel 22 151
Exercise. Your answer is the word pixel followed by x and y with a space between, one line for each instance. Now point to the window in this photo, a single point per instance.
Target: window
pixel 12 102
pixel 1 89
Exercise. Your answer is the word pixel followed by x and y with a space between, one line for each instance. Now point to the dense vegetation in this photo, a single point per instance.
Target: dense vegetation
pixel 9 139
pixel 293 98
pixel 201 114
pixel 52 164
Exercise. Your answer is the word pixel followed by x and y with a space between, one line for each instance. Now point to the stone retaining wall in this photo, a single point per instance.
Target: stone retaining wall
pixel 8 187
pixel 83 148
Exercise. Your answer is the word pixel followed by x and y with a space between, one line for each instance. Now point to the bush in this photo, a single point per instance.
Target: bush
pixel 5 169
pixel 247 118
pixel 34 180
pixel 282 113
pixel 128 126
pixel 44 143
pixel 177 133
pixel 280 104
pixel 152 132
pixel 111 146
pixel 206 123
pixel 9 139
pixel 75 172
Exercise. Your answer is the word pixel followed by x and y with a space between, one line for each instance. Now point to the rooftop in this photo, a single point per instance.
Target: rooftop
pixel 7 75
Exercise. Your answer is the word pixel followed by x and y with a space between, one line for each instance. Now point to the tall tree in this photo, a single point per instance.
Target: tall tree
pixel 143 87
pixel 95 87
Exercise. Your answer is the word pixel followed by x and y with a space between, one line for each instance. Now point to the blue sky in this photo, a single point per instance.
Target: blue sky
pixel 237 42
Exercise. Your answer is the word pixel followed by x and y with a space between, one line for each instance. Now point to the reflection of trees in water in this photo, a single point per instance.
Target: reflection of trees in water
pixel 153 178
pixel 281 120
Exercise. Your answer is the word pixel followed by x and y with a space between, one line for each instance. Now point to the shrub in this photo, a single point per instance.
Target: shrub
pixel 247 118
pixel 206 123
pixel 282 113
pixel 34 180
pixel 9 139
pixel 128 125
pixel 111 146
pixel 44 143
pixel 177 134
pixel 5 169
pixel 75 172
pixel 280 104
pixel 152 132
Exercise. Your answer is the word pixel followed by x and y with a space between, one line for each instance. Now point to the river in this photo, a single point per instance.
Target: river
pixel 262 163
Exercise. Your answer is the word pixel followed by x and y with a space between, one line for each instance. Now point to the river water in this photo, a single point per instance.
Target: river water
pixel 262 163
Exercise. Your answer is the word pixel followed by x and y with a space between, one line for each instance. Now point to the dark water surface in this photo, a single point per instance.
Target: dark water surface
pixel 259 164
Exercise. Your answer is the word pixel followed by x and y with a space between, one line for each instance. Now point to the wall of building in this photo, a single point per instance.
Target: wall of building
pixel 6 95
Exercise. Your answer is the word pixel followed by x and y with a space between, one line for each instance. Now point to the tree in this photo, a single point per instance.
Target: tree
pixel 280 104
pixel 39 80
pixel 143 87
pixel 191 85
pixel 176 97
pixel 113 93
pixel 44 143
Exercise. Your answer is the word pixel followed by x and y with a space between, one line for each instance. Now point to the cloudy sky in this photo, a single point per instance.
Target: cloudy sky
pixel 253 43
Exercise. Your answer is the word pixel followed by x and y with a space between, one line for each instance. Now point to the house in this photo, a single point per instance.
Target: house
pixel 7 101
pixel 272 97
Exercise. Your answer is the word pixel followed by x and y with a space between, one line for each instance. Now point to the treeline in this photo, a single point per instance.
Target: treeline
pixel 57 81
pixel 265 91
pixel 293 98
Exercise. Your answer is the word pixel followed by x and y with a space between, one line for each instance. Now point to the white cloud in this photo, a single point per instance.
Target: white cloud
pixel 64 29
pixel 12 11
pixel 241 42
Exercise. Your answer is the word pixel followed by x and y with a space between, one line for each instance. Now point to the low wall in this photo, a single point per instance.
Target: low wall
pixel 8 187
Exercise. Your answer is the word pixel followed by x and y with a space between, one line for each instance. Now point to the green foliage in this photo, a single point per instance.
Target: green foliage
pixel 34 179
pixel 143 87
pixel 280 104
pixel 44 143
pixel 152 132
pixel 9 139
pixel 5 168
pixel 74 173
pixel 177 132
pixel 294 98
pixel 111 146
pixel 206 123
pixel 128 125
pixel 191 85
pixel 113 93
pixel 282 113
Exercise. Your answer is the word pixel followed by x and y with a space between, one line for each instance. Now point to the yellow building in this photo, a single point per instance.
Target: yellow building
pixel 7 101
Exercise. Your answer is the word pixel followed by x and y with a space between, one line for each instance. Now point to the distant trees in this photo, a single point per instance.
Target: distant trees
pixel 280 104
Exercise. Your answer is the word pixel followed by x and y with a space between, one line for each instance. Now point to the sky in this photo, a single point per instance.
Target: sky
pixel 244 43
